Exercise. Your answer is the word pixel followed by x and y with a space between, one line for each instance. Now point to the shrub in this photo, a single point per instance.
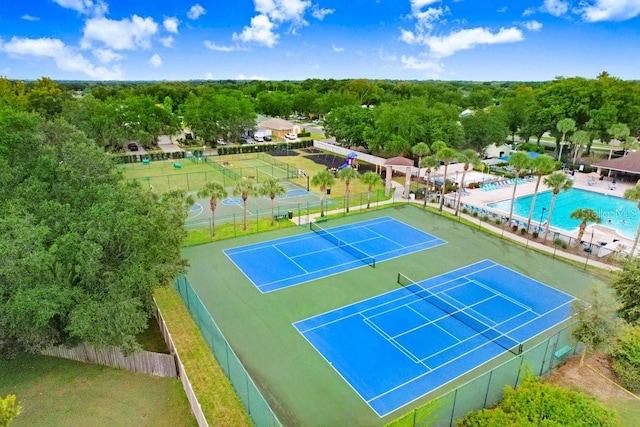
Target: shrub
pixel 626 358
pixel 514 228
pixel 465 210
pixel 523 231
pixel 498 222
pixel 535 234
pixel 485 218
pixel 475 214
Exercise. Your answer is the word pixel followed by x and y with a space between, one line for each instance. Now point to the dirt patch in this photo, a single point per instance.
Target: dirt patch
pixel 591 378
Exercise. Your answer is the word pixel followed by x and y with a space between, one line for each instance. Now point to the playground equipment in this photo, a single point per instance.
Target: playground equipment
pixel 350 161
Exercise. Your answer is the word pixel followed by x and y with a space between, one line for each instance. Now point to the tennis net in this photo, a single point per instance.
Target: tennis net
pixel 477 325
pixel 350 249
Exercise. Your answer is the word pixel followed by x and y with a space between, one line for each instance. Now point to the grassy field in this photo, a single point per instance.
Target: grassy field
pixel 59 392
pixel 300 386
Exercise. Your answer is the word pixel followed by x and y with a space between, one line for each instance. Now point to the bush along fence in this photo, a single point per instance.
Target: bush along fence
pixel 280 146
pixel 485 389
pixel 253 401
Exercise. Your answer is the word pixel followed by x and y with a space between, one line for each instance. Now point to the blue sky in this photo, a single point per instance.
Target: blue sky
pixel 481 40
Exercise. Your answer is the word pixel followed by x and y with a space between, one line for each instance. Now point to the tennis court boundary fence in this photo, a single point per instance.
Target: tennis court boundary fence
pixel 484 387
pixel 253 401
pixel 487 331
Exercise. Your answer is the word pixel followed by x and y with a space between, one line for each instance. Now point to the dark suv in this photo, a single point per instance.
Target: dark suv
pixel 132 146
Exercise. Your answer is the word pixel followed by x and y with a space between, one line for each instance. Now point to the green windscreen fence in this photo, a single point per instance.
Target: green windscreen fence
pixel 253 401
pixel 486 389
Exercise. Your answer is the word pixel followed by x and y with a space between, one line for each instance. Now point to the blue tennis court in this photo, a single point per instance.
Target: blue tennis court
pixel 297 259
pixel 396 347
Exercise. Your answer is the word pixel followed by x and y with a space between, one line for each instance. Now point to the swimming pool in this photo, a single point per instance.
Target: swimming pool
pixel 616 212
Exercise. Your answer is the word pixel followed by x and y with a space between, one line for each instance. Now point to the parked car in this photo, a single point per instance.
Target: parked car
pixel 258 139
pixel 133 146
pixel 267 137
pixel 221 142
pixel 250 142
pixel 291 136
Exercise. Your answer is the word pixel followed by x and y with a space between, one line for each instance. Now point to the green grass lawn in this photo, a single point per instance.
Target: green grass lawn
pixel 59 392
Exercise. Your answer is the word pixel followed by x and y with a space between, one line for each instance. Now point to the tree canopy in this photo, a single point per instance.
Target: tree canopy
pixel 82 251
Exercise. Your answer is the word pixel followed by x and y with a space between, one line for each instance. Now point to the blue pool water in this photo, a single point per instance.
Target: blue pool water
pixel 616 212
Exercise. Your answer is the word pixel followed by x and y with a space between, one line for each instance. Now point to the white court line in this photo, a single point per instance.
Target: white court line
pixel 289 258
pixel 397 345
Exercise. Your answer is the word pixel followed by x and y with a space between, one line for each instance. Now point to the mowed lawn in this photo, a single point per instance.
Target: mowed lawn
pixel 59 392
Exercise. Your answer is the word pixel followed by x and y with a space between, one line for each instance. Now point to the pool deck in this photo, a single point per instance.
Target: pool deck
pixel 479 197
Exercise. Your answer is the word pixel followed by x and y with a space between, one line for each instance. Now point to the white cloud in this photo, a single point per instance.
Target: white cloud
pixel 466 39
pixel 211 45
pixel 106 55
pixel 413 63
pixel 171 25
pixel 528 12
pixel 555 7
pixel 532 25
pixel 319 14
pixel 196 11
pixel 609 10
pixel 166 41
pixel 28 17
pixel 417 5
pixel 337 48
pixel 65 57
pixel 119 35
pixel 243 77
pixel 260 31
pixel 208 75
pixel 86 7
pixel 283 10
pixel 155 61
pixel 503 9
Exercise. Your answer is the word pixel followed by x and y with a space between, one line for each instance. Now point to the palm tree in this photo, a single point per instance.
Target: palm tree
pixel 214 191
pixel 431 164
pixel 519 160
pixel 421 149
pixel 245 188
pixel 323 179
pixel 541 165
pixel 580 138
pixel 633 193
pixel 370 179
pixel 565 126
pixel 468 157
pixel 347 174
pixel 446 155
pixel 559 182
pixel 585 215
pixel 619 132
pixel 271 187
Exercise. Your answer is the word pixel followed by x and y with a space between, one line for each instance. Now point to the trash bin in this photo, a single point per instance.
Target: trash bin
pixel 290 214
pixel 328 191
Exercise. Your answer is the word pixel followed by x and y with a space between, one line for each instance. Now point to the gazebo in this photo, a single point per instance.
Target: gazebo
pixel 397 161
pixel 626 164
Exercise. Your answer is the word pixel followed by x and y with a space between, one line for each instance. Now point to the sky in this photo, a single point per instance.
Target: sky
pixel 476 40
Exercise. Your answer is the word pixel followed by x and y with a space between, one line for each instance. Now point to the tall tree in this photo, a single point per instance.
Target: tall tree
pixel 541 165
pixel 430 163
pixel 557 181
pixel 244 188
pixel 421 149
pixel 564 126
pixel 518 161
pixel 633 193
pixel 213 191
pixel 46 98
pixel 323 179
pixel 626 288
pixel 579 138
pixel 371 180
pixel 347 174
pixel 596 321
pixel 272 188
pixel 619 132
pixel 469 158
pixel 446 155
pixel 585 215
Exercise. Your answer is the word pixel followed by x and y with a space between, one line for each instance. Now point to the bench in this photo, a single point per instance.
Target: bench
pixel 177 165
pixel 280 216
pixel 563 352
pixel 322 219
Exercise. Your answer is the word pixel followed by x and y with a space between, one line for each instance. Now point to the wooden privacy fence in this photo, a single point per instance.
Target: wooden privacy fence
pixel 147 362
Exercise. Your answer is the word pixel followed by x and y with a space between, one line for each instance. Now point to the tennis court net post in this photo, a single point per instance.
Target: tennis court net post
pixel 477 325
pixel 347 247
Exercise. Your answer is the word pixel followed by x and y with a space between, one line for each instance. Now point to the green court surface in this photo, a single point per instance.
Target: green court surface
pixel 301 387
